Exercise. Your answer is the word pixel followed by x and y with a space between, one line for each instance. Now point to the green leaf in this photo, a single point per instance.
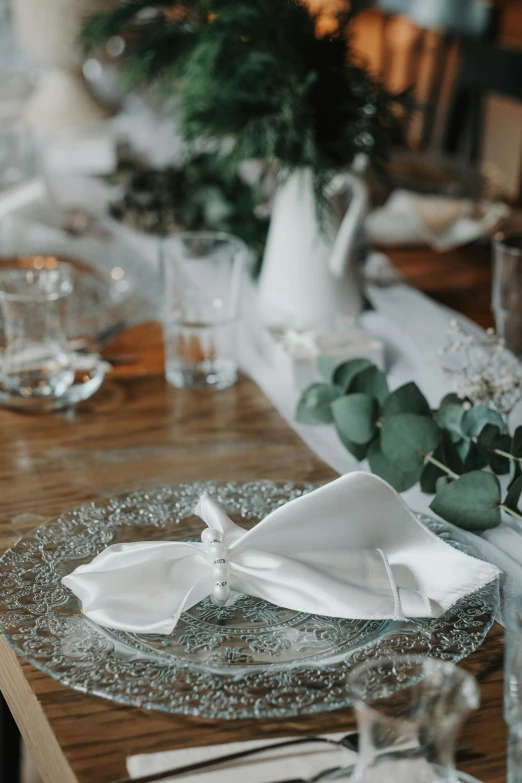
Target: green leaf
pixel 407 399
pixel 407 438
pixel 476 458
pixel 499 464
pixel 447 454
pixel 449 415
pixel 462 446
pixel 476 418
pixel 442 482
pixel 488 435
pixel 314 405
pixel 355 417
pixel 358 450
pixel 381 466
pixel 430 475
pixel 514 472
pixel 516 445
pixel 513 495
pixel 471 502
pixel 370 381
pixel 345 372
pixel 326 368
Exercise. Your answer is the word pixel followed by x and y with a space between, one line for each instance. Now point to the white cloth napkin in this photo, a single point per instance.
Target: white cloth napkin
pixel 301 761
pixel 349 549
pixel 438 221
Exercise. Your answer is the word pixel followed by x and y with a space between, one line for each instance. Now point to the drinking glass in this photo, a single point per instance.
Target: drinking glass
pixel 513 688
pixel 37 361
pixel 409 709
pixel 507 289
pixel 202 274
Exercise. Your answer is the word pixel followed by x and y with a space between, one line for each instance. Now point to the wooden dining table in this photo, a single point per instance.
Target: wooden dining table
pixel 138 431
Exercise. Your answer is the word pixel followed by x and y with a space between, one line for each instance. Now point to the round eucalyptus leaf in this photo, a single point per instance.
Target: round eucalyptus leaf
pixel 476 458
pixel 345 372
pixel 357 450
pixel 381 466
pixel 513 495
pixel 370 381
pixel 475 419
pixel 471 502
pixel 355 417
pixel 429 477
pixel 325 367
pixel 314 405
pixel 449 416
pixel 407 399
pixel 516 445
pixel 407 438
pixel 448 455
pixel 497 462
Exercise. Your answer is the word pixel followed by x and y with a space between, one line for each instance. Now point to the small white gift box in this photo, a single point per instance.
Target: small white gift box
pixel 296 354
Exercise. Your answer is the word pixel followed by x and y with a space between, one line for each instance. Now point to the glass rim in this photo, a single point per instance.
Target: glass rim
pixel 222 236
pixel 499 242
pixel 413 660
pixel 63 267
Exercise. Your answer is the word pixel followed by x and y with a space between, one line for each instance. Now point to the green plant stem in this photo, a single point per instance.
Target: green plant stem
pixel 443 467
pixel 511 512
pixel 507 455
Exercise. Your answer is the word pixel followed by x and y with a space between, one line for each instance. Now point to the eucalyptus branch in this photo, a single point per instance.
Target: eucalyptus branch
pixel 431 458
pixel 511 512
pixel 411 443
pixel 507 455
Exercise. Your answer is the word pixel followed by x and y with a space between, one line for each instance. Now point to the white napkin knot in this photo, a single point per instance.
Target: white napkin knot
pixel 217 553
pixel 349 549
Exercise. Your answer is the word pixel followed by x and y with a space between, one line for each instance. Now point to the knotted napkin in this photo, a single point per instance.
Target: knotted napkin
pixel 350 549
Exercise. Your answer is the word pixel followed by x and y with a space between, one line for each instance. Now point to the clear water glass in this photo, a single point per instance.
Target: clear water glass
pixel 513 688
pixel 409 710
pixel 17 156
pixel 36 361
pixel 202 273
pixel 507 289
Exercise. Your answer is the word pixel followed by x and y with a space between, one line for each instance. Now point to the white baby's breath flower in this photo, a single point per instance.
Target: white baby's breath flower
pixel 484 372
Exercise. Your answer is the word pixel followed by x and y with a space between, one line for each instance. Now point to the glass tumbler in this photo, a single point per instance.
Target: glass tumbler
pixel 202 273
pixel 17 157
pixel 409 709
pixel 513 688
pixel 36 361
pixel 507 289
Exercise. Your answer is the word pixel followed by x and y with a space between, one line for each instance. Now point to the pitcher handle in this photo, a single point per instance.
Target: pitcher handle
pixel 345 242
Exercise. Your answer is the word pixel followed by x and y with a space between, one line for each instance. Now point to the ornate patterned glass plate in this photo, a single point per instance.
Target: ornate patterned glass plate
pixel 248 659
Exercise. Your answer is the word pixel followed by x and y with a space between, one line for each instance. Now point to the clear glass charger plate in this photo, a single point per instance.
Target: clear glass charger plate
pixel 247 659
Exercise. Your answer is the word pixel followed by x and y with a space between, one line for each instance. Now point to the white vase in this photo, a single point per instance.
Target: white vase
pixel 48 31
pixel 310 278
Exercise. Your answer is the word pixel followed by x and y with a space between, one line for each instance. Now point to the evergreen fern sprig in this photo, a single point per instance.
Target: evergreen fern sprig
pixel 256 74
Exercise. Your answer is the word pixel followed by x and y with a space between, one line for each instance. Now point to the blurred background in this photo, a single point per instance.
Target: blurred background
pixel 460 58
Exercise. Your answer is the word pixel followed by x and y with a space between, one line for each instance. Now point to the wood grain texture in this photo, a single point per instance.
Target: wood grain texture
pixel 137 431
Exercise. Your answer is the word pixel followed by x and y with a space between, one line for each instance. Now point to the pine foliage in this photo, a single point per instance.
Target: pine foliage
pixel 255 72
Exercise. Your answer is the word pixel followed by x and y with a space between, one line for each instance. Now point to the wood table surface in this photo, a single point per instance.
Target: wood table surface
pixel 136 432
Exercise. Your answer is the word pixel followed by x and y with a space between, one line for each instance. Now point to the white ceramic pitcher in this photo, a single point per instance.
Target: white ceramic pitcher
pixel 309 277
